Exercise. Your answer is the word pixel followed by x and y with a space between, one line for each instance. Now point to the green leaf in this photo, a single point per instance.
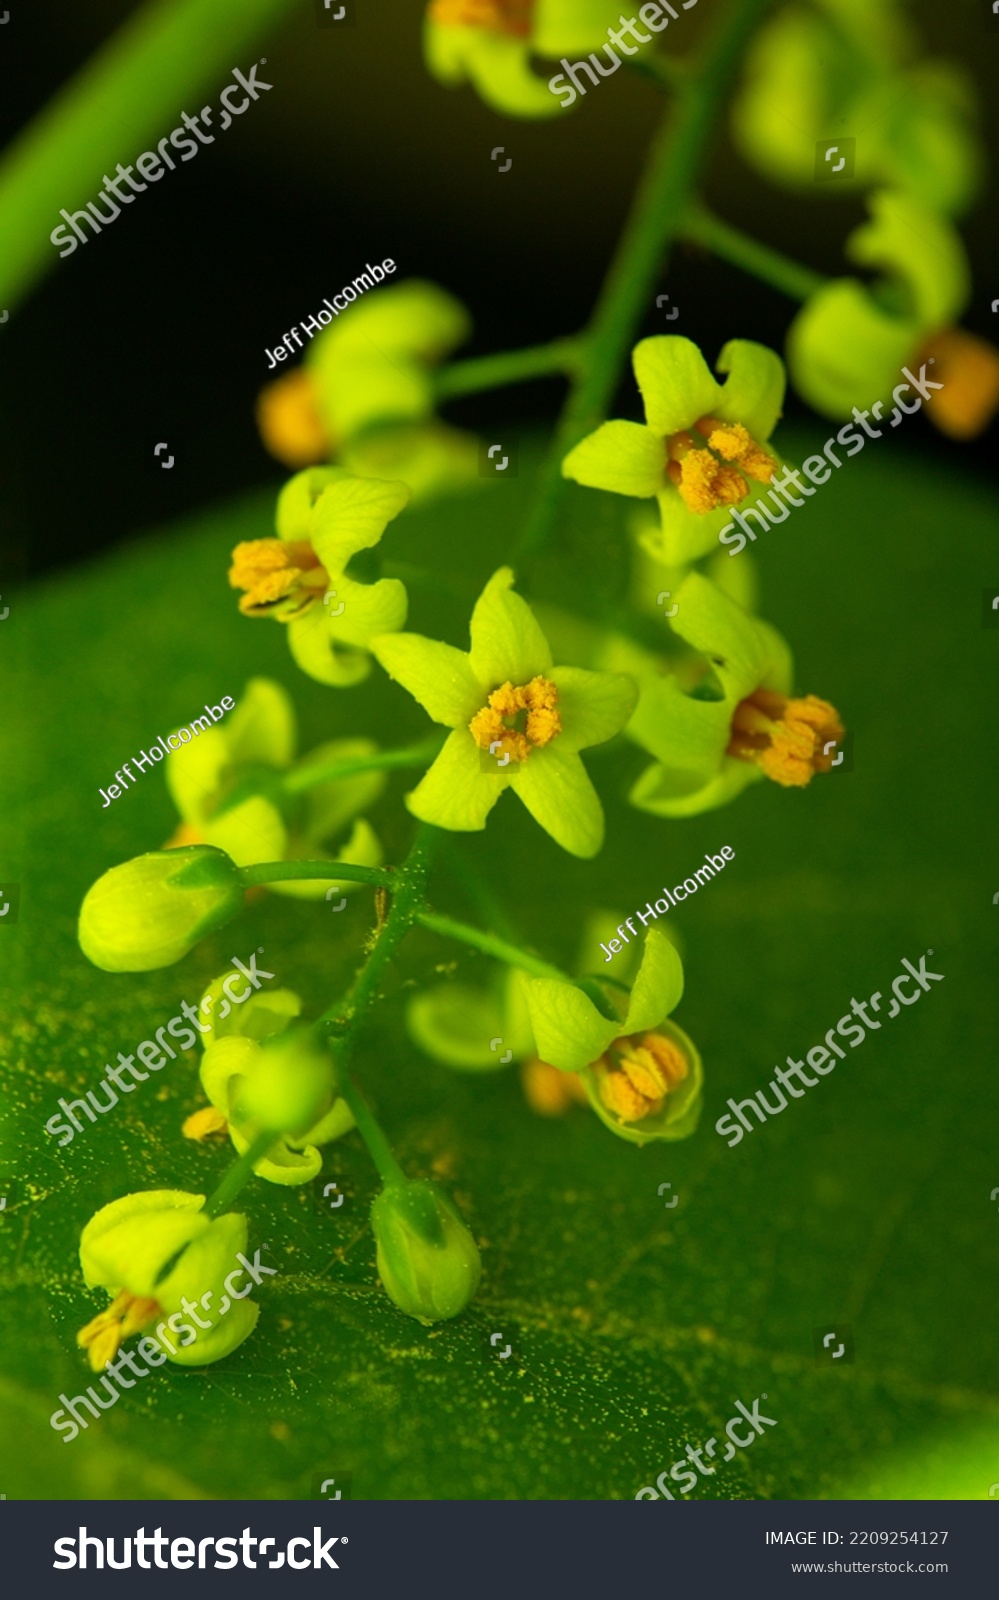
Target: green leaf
pixel 634 1328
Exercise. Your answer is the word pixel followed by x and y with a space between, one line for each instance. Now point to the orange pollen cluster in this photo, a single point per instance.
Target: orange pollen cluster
pixel 706 477
pixel 501 16
pixel 285 572
pixel 289 421
pixel 204 1124
pixel 125 1315
pixel 637 1073
pixel 790 740
pixel 549 1091
pixel 968 368
pixel 531 705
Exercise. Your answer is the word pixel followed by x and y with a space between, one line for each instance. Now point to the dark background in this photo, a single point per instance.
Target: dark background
pixel 156 329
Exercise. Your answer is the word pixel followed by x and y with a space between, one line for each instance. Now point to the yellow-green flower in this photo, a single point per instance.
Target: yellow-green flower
pixel 125 1248
pixel 427 1259
pixel 365 394
pixel 848 345
pixel 847 68
pixel 150 911
pixel 324 516
pixel 701 443
pixel 642 1073
pixel 488 43
pixel 259 1074
pixel 729 718
pixel 254 744
pixel 518 722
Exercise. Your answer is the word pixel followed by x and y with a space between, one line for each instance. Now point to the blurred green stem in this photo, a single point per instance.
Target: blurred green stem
pixel 677 153
pixel 702 227
pixel 238 1175
pixel 157 65
pixel 564 356
pixel 306 776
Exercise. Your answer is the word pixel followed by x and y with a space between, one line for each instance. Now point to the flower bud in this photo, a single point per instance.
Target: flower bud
pixel 290 1085
pixel 152 910
pixel 427 1259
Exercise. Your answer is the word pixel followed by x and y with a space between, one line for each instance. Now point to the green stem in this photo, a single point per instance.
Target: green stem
pixel 379 1148
pixel 408 883
pixel 562 356
pixel 289 871
pixel 239 1174
pixel 306 776
pixel 479 890
pixel 163 60
pixel 702 227
pixel 491 945
pixel 665 189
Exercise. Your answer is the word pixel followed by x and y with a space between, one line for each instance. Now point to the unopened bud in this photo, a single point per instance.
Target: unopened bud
pixel 427 1259
pixel 152 910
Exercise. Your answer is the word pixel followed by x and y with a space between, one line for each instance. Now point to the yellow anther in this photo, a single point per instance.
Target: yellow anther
pixel 637 1074
pixel 126 1314
pixel 707 478
pixel 289 421
pixel 273 570
pixel 502 16
pixel 548 1091
pixel 789 740
pixel 968 368
pixel 517 719
pixel 204 1124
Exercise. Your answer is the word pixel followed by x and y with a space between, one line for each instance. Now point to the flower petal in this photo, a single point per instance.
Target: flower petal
pixel 297 499
pixel 743 651
pixel 680 1111
pixel 330 806
pixel 593 706
pixel 456 1024
pixel 102 1262
pixel 844 350
pixel 570 27
pixel 495 63
pixel 676 385
pixel 368 608
pixel 351 515
pixel 312 647
pixel 658 987
pixel 624 457
pixel 456 793
pixel 556 789
pixel 754 390
pixel 507 642
pixel 673 793
pixel 262 725
pixel 194 773
pixel 252 831
pixel 437 675
pixel 568 1029
pixel 686 535
pixel 415 320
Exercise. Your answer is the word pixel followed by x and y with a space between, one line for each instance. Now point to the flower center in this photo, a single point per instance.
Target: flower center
pixel 277 572
pixel 517 719
pixel 790 740
pixel 500 16
pixel 637 1073
pixel 707 478
pixel 125 1315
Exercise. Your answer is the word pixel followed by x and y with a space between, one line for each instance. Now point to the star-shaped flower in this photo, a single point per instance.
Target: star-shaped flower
pixel 125 1248
pixel 733 720
pixel 489 43
pixel 517 721
pixel 848 345
pixel 642 1074
pixel 212 781
pixel 701 443
pixel 324 516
